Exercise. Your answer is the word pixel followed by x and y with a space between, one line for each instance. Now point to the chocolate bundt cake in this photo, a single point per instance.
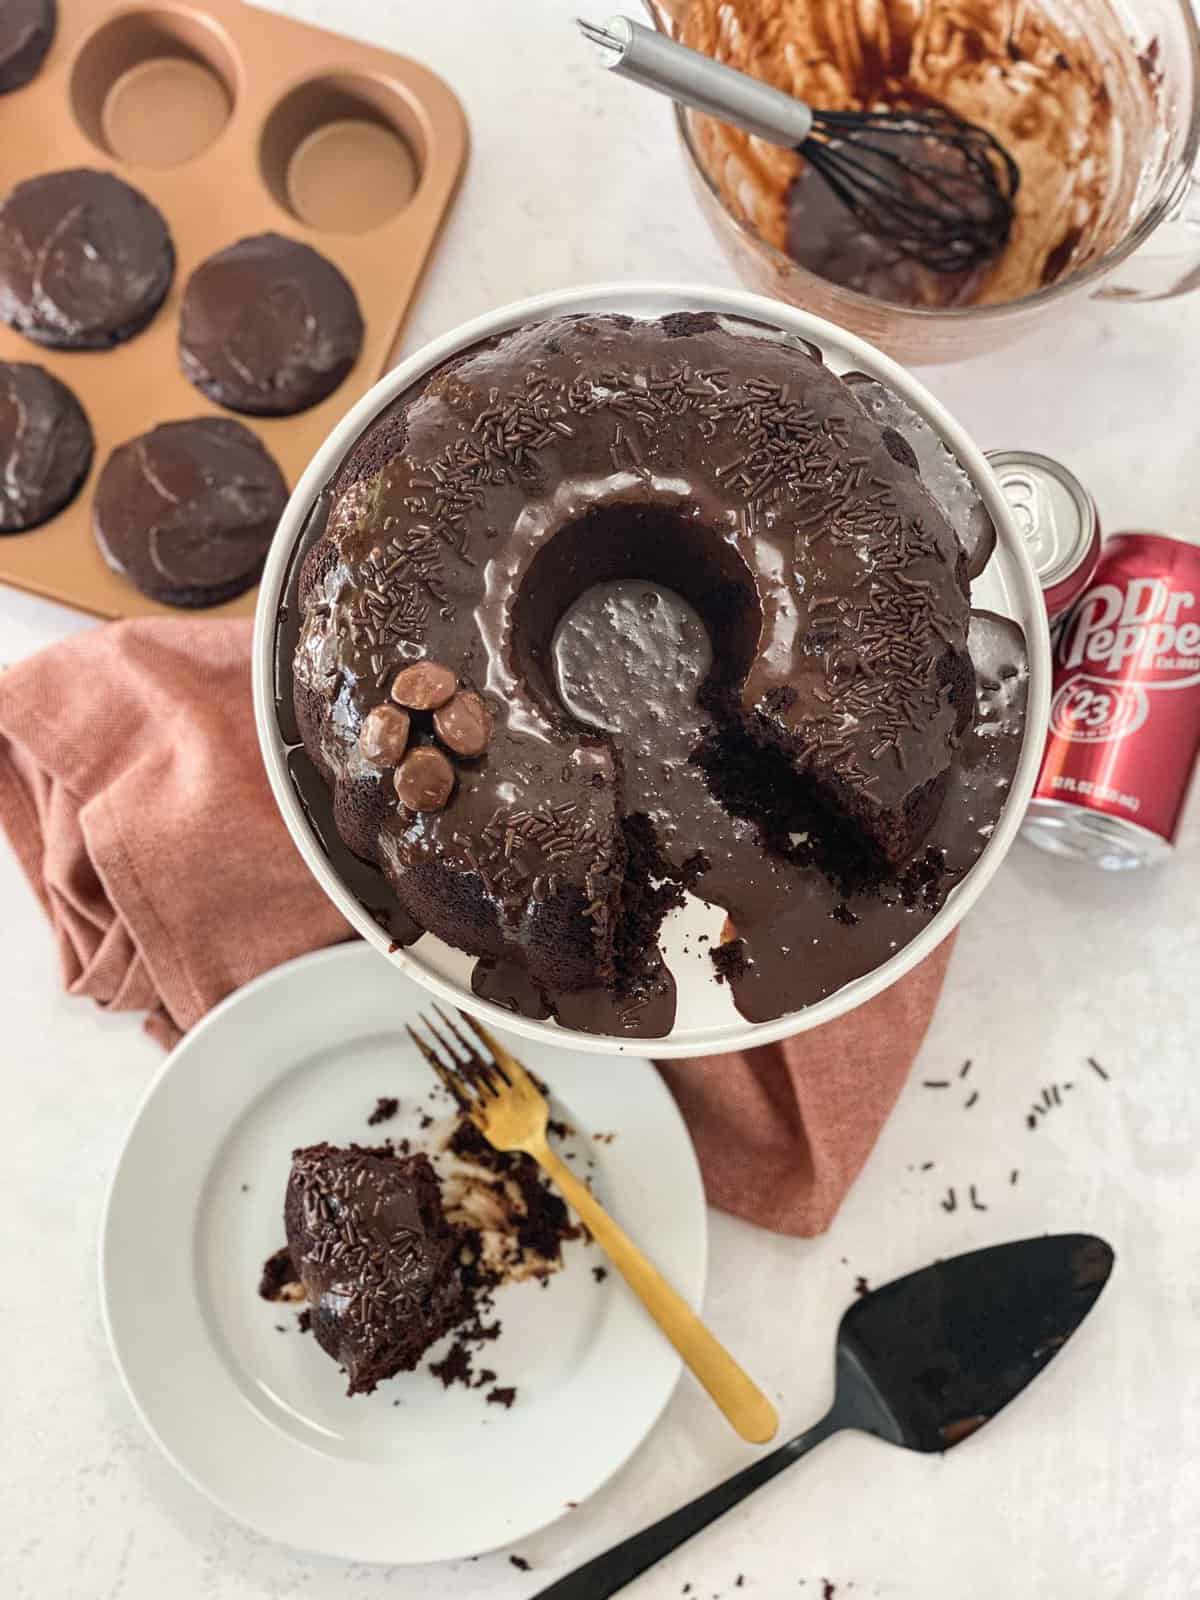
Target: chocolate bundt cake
pixel 370 1243
pixel 606 610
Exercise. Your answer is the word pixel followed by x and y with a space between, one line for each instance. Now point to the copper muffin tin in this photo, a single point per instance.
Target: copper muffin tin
pixel 232 121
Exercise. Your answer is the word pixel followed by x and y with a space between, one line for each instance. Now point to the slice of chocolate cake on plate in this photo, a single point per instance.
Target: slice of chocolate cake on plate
pixel 378 1260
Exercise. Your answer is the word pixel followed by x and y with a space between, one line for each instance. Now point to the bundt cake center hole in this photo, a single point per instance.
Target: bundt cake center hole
pixel 629 605
pixel 628 650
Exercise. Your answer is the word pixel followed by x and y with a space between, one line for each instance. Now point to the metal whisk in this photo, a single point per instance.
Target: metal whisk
pixel 938 188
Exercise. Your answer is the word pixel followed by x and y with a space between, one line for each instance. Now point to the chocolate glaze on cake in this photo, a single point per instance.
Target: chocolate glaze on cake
pixel 27 29
pixel 45 446
pixel 377 1258
pixel 268 326
pixel 911 440
pixel 85 260
pixel 795 734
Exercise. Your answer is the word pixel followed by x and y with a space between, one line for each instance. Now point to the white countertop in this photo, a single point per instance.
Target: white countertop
pixel 1089 1486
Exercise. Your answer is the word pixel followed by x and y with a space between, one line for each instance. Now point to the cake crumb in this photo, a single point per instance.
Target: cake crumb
pixel 599 1273
pixel 304 1321
pixel 386 1108
pixel 278 1280
pixel 455 1366
pixel 731 960
pixel 861 1286
pixel 502 1397
pixel 520 1563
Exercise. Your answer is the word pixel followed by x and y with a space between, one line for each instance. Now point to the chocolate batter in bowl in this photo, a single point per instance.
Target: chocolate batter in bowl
pixel 1097 100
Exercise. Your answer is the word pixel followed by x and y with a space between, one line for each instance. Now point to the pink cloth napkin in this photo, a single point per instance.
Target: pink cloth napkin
pixel 133 793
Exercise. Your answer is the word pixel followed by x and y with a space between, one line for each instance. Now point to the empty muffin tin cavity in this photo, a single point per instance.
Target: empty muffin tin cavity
pixel 343 153
pixel 155 88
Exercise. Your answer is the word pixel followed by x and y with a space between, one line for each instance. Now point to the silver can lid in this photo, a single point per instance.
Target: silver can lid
pixel 1053 511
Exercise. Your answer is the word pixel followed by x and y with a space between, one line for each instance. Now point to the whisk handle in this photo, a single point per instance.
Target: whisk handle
pixel 651 59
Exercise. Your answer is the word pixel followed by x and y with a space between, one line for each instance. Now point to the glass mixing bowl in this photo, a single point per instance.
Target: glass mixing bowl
pixel 1150 251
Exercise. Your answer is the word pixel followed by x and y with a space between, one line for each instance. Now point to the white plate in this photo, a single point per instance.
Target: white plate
pixel 706 1020
pixel 259 1420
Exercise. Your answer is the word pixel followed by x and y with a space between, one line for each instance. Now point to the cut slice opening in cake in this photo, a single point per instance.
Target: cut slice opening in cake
pixel 752 777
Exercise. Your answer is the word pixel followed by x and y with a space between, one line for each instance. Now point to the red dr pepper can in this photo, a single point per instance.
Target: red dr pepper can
pixel 1125 709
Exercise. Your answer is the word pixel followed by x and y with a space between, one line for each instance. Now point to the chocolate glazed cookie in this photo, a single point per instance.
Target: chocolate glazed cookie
pixel 186 512
pixel 27 29
pixel 85 260
pixel 268 327
pixel 45 446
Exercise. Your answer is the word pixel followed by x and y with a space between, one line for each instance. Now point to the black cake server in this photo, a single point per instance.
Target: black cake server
pixel 922 1362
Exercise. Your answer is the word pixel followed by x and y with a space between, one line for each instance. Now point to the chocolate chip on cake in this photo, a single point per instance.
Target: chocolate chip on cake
pixel 424 779
pixel 186 512
pixel 45 446
pixel 424 686
pixel 85 260
pixel 383 738
pixel 268 326
pixel 464 724
pixel 27 29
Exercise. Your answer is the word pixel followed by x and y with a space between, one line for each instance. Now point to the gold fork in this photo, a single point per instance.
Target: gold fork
pixel 510 1111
